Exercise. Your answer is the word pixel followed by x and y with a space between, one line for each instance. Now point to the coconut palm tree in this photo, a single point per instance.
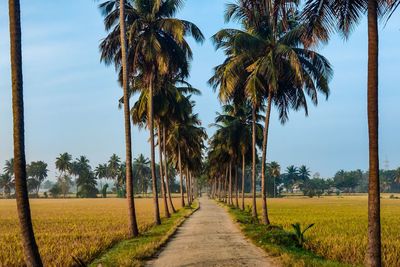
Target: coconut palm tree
pixel 31 251
pixel 113 168
pixel 142 171
pixel 277 67
pixel 120 8
pixel 275 171
pixel 9 167
pixel 101 172
pixel 7 184
pixel 63 163
pixel 292 175
pixel 157 46
pixel 322 19
pixel 37 171
pixel 304 173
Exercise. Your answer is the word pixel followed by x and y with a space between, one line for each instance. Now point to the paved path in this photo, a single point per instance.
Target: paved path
pixel 210 238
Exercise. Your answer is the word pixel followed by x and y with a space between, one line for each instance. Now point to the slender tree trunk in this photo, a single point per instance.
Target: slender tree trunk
pixel 374 222
pixel 226 193
pixel 188 186
pixel 243 176
pixel 31 251
pixel 219 188
pixel 163 188
pixel 157 218
pixel 230 202
pixel 166 169
pixel 253 169
pixel 274 187
pixel 192 186
pixel 236 187
pixel 265 218
pixel 181 176
pixel 133 229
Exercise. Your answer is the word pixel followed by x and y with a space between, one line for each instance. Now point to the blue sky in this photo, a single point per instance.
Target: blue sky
pixel 71 99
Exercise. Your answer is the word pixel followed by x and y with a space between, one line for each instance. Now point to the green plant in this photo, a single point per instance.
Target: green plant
pixel 299 233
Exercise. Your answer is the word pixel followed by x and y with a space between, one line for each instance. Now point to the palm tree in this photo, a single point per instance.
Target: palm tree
pixel 304 174
pixel 63 163
pixel 120 9
pixel 80 167
pixel 292 174
pixel 7 184
pixel 142 171
pixel 133 228
pixel 275 63
pixel 37 171
pixel 275 171
pixel 9 167
pixel 322 19
pixel 113 167
pixel 157 46
pixel 101 172
pixel 31 251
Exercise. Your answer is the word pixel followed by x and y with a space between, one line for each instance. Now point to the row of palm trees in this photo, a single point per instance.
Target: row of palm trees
pixel 266 65
pixel 148 47
pixel 270 61
pixel 36 174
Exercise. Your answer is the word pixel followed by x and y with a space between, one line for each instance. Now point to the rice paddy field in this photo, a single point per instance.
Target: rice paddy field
pixel 340 231
pixel 82 228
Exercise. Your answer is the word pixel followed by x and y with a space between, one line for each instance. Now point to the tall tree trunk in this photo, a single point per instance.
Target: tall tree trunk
pixel 219 188
pixel 187 185
pixel 31 251
pixel 374 222
pixel 230 202
pixel 236 187
pixel 265 218
pixel 243 176
pixel 253 167
pixel 166 169
pixel 192 186
pixel 226 193
pixel 181 176
pixel 163 189
pixel 150 118
pixel 133 229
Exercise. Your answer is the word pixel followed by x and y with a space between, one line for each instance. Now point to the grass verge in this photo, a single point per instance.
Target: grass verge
pixel 134 252
pixel 278 242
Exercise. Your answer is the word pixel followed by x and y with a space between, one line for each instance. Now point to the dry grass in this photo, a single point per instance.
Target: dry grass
pixel 340 231
pixel 72 227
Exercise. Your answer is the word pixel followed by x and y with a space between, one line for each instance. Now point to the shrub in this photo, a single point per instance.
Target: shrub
pixel 299 233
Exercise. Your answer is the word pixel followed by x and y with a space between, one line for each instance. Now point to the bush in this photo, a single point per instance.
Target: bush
pixel 55 190
pixel 278 236
pixel 299 233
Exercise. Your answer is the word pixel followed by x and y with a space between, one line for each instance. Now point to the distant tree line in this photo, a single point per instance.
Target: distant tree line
pixel 77 176
pixel 299 180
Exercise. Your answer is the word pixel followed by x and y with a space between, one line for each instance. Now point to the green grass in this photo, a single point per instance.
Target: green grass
pixel 278 242
pixel 134 252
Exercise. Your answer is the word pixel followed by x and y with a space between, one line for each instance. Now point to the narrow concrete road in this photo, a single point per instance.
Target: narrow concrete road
pixel 210 238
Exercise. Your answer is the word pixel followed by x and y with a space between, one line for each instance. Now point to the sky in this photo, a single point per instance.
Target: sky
pixel 71 99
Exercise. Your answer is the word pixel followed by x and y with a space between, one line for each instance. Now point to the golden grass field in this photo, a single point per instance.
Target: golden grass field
pixel 71 227
pixel 340 231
